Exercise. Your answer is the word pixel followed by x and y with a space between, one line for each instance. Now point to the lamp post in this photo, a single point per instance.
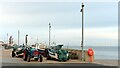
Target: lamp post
pixel 26 40
pixel 7 40
pixel 82 42
pixel 18 37
pixel 49 34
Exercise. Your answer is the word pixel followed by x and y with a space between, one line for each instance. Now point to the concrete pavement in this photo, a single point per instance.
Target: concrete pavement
pixel 7 60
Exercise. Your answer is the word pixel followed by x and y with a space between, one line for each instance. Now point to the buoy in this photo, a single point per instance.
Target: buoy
pixel 90 53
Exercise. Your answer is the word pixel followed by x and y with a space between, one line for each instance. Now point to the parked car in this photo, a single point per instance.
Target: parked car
pixel 32 52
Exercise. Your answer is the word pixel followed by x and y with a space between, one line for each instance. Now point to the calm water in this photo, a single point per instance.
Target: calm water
pixel 101 52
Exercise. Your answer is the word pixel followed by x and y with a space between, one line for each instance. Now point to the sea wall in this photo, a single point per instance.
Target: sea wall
pixel 79 54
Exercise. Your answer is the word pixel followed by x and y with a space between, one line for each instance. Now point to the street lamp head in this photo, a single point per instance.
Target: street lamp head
pixel 26 34
pixel 82 5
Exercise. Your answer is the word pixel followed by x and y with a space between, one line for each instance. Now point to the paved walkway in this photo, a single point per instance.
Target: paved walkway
pixel 7 60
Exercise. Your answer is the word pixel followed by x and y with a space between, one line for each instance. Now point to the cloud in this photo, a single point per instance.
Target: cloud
pixel 62 15
pixel 59 0
pixel 32 18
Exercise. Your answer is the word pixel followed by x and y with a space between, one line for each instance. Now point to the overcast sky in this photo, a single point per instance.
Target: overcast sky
pixel 32 18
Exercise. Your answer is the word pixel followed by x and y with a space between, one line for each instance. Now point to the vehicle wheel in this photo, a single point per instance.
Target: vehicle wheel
pixel 68 58
pixel 59 60
pixel 24 57
pixel 40 59
pixel 13 54
pixel 28 59
pixel 64 60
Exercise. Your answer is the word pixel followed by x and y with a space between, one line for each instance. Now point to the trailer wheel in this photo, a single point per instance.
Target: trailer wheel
pixel 40 59
pixel 13 54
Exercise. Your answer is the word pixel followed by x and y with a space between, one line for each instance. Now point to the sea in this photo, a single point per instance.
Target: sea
pixel 100 52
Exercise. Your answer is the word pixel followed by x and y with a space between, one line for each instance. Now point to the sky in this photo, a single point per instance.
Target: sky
pixel 32 18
